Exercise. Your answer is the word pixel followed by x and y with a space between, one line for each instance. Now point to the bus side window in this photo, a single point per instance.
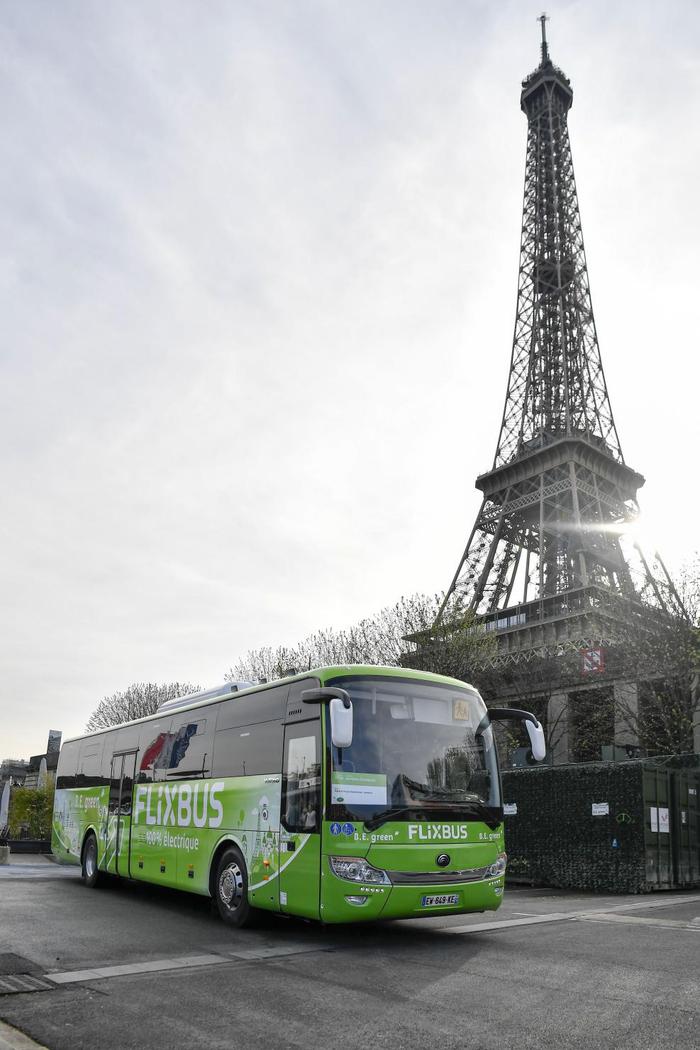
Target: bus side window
pixel 68 764
pixel 252 708
pixel 190 746
pixel 155 748
pixel 90 774
pixel 301 778
pixel 247 750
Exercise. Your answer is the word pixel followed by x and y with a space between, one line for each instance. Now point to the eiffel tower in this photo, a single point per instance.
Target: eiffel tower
pixel 553 564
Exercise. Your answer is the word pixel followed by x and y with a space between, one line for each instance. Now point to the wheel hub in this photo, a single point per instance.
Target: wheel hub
pixel 90 861
pixel 231 886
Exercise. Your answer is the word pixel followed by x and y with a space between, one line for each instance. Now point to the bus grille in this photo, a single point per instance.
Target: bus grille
pixel 429 878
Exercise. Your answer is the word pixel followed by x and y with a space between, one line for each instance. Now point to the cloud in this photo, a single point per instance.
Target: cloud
pixel 258 295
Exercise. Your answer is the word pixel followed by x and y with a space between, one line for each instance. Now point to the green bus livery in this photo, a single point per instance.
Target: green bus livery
pixel 343 794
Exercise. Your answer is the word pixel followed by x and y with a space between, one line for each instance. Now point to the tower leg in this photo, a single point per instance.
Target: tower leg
pixel 626 700
pixel 558 728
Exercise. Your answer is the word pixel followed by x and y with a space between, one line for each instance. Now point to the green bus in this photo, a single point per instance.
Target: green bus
pixel 343 794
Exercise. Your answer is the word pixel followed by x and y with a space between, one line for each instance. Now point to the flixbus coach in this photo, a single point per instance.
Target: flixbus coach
pixel 342 794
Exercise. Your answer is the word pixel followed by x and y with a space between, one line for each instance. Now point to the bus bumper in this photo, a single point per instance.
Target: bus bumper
pixel 345 901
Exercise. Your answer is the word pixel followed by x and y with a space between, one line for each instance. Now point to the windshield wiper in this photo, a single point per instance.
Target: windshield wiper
pixel 440 794
pixel 469 810
pixel 388 814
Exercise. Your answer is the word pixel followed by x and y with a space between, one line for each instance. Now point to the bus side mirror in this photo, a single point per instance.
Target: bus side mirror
pixel 340 706
pixel 514 714
pixel 537 741
pixel 341 723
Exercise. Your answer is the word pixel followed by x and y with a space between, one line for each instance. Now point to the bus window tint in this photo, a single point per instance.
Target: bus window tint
pixel 190 747
pixel 302 778
pixel 90 764
pixel 68 764
pixel 252 708
pixel 155 750
pixel 247 750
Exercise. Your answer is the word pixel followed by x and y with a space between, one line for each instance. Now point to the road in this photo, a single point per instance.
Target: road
pixel 134 966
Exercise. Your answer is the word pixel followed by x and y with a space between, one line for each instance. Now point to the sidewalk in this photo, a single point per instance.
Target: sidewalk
pixel 30 858
pixel 37 865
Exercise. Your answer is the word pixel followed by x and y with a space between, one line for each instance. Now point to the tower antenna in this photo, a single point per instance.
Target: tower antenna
pixel 545 50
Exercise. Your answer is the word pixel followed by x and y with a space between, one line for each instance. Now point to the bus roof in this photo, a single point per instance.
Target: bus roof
pixel 322 673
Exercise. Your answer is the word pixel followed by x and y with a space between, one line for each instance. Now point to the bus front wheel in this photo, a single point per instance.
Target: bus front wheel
pixel 90 871
pixel 231 889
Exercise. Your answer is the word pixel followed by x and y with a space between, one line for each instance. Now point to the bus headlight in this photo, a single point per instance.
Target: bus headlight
pixel 498 867
pixel 356 869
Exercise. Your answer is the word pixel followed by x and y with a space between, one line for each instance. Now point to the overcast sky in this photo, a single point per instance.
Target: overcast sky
pixel 258 284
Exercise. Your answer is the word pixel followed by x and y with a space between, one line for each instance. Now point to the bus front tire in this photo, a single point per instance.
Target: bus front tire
pixel 90 871
pixel 231 889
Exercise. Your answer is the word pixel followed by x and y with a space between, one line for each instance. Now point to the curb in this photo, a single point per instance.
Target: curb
pixel 12 1039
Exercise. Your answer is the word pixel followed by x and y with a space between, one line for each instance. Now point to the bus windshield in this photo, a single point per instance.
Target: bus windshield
pixel 415 753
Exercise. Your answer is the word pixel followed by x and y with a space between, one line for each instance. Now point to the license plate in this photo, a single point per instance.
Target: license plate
pixel 439 900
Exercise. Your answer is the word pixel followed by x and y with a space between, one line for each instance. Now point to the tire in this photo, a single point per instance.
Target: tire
pixel 90 871
pixel 231 889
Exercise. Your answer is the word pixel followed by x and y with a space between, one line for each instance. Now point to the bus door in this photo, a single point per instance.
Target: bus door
pixel 300 820
pixel 118 827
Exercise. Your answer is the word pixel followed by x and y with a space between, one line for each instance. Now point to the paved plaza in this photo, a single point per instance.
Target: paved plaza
pixel 131 965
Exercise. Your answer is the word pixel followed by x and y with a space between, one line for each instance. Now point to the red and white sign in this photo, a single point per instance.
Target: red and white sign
pixel 592 661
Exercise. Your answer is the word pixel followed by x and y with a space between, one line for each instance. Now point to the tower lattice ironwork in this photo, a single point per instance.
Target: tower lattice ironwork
pixel 553 562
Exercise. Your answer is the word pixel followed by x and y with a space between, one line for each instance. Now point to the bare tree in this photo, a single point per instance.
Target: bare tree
pixel 656 656
pixel 399 635
pixel 139 700
pixel 666 714
pixel 530 684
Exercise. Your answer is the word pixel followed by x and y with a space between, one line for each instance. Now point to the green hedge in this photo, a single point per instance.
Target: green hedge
pixel 31 812
pixel 554 840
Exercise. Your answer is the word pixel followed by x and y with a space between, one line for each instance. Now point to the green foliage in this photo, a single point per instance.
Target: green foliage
pixel 31 811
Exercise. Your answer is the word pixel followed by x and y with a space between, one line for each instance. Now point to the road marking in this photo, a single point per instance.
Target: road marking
pixel 183 962
pixel 99 973
pixel 505 924
pixel 646 902
pixel 639 920
pixel 272 953
pixel 535 920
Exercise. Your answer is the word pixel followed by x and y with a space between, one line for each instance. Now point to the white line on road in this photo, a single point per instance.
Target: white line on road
pixel 504 924
pixel 100 972
pixel 183 962
pixel 639 920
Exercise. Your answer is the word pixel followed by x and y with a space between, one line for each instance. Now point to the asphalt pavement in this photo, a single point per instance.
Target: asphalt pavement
pixel 132 965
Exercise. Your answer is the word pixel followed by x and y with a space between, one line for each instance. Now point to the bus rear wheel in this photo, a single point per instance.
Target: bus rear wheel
pixel 231 889
pixel 90 871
